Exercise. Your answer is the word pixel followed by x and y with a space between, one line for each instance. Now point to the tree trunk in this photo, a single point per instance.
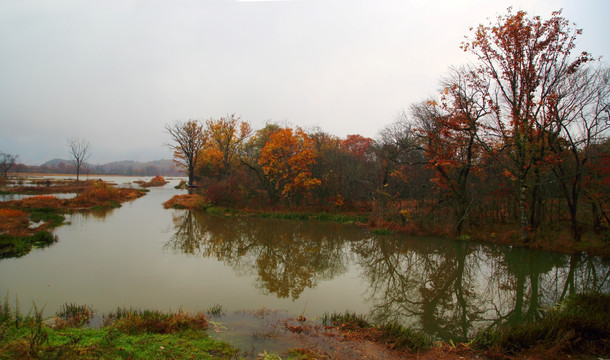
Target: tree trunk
pixel 523 220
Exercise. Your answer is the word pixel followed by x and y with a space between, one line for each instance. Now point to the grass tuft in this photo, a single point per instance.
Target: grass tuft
pixel 580 324
pixel 131 321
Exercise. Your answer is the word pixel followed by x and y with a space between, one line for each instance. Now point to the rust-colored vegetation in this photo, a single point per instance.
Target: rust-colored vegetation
pixel 187 201
pixel 103 195
pixel 156 181
pixel 30 215
pixel 13 220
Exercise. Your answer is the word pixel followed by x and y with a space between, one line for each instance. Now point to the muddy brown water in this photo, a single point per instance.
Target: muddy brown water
pixel 145 257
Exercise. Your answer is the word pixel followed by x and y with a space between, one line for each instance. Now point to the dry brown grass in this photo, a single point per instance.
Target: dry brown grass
pixel 188 201
pixel 101 194
pixel 13 221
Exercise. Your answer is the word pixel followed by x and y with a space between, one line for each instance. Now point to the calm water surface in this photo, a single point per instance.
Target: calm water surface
pixel 144 256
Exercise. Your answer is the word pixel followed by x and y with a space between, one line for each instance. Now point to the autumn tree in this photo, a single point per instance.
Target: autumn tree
pixel 451 129
pixel 398 166
pixel 286 160
pixel 357 168
pixel 525 59
pixel 251 154
pixel 80 151
pixel 225 139
pixel 188 141
pixel 7 161
pixel 579 115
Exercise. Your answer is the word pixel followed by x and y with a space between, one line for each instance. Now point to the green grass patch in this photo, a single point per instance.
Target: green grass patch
pixel 29 336
pixel 51 217
pixel 580 324
pixel 382 231
pixel 18 246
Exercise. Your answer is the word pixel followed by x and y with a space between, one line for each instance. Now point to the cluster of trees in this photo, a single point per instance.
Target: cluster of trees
pixel 518 137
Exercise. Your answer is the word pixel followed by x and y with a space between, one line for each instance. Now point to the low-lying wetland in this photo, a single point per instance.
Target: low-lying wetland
pixel 143 256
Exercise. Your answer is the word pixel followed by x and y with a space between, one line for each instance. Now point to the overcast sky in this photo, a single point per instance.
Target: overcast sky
pixel 116 72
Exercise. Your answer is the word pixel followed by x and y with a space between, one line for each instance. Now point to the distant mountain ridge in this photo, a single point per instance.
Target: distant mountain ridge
pixel 126 167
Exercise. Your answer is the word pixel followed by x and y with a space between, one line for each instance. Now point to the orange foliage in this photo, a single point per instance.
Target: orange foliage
pixel 287 159
pixel 358 145
pixel 225 137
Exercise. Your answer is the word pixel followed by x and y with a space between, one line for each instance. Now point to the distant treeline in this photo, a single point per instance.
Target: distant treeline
pixel 126 168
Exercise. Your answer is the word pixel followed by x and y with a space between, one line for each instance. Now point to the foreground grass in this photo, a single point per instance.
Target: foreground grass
pixel 579 325
pixel 394 336
pixel 127 334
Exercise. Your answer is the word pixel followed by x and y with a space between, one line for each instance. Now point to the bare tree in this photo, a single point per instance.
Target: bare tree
pixel 7 161
pixel 80 150
pixel 188 140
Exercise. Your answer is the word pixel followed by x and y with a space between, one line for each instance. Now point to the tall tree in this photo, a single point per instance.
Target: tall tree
pixel 452 129
pixel 188 140
pixel 579 114
pixel 525 59
pixel 225 137
pixel 80 151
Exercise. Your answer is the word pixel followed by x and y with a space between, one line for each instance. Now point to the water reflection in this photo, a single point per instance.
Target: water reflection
pixel 453 289
pixel 447 289
pixel 286 256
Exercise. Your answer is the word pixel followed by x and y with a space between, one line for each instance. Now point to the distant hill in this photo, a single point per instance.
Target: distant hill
pixel 127 167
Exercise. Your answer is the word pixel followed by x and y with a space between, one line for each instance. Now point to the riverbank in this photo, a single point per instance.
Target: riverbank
pixel 578 328
pixel 556 240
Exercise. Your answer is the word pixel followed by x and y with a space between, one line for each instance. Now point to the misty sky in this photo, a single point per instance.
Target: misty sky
pixel 116 72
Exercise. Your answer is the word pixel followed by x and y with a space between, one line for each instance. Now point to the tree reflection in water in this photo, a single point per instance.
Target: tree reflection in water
pixel 287 256
pixel 448 289
pixel 452 289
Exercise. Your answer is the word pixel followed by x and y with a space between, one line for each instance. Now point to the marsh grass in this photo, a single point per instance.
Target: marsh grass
pixel 72 315
pixel 382 231
pixel 392 335
pixel 17 246
pixel 29 337
pixel 132 321
pixel 580 324
pixel 156 181
pixel 187 201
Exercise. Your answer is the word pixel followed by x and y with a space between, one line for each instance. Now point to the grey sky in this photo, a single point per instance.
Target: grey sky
pixel 115 72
